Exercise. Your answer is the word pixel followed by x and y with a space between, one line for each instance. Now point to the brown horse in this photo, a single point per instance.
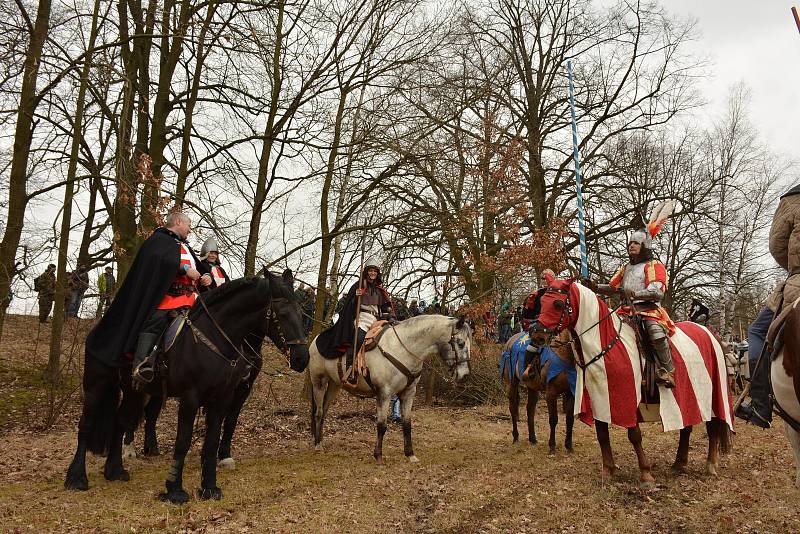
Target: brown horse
pixel 785 375
pixel 610 377
pixel 535 381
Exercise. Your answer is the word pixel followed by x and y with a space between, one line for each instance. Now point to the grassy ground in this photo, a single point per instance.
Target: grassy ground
pixel 470 477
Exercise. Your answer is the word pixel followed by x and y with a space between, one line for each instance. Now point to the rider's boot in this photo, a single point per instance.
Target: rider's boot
pixel 143 370
pixel 758 410
pixel 665 374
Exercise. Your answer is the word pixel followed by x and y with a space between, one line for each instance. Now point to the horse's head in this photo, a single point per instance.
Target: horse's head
pixel 455 352
pixel 284 322
pixel 556 312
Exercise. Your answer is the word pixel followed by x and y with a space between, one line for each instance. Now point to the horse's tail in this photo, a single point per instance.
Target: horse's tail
pixel 101 426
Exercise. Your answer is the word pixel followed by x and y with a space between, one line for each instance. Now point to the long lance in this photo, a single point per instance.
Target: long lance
pixel 577 157
pixel 358 300
pixel 796 17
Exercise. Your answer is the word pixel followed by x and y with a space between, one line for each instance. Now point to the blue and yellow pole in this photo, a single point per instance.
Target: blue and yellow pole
pixel 577 156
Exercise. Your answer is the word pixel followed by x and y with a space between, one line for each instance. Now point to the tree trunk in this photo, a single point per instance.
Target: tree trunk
pixel 53 363
pixel 23 135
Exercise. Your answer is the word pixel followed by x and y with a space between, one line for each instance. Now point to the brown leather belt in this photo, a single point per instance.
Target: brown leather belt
pixel 179 290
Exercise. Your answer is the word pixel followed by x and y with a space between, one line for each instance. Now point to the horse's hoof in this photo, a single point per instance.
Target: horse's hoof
pixel 533 441
pixel 227 463
pixel 152 451
pixel 711 469
pixel 176 496
pixel 210 493
pixel 379 460
pixel 647 484
pixel 570 450
pixel 318 447
pixel 128 451
pixel 120 475
pixel 412 459
pixel 679 469
pixel 76 483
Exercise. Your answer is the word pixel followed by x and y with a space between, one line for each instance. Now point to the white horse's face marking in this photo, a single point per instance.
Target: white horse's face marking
pixel 461 345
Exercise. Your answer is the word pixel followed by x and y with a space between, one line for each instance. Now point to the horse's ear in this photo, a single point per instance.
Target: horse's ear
pixel 460 323
pixel 263 272
pixel 288 278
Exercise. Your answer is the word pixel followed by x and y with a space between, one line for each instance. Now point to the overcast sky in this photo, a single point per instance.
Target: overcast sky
pixel 757 42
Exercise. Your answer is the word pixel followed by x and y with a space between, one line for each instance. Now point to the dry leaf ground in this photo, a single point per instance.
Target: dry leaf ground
pixel 470 477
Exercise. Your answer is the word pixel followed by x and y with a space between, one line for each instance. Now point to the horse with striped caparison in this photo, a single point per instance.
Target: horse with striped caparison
pixel 534 379
pixel 610 376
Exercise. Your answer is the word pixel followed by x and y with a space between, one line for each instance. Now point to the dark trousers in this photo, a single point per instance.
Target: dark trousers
pixel 45 305
pixel 759 375
pixel 156 323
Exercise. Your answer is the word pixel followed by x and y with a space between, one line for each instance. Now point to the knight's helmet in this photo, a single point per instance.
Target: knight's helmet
pixel 644 233
pixel 373 262
pixel 210 245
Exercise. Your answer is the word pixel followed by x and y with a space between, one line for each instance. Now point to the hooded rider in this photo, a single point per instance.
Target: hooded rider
pixel 375 304
pixel 163 277
pixel 643 280
pixel 209 256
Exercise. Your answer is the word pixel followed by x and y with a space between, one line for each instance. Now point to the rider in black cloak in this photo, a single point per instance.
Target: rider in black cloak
pixel 375 304
pixel 162 277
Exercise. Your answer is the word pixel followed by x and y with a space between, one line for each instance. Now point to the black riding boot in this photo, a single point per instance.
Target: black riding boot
pixel 759 410
pixel 143 371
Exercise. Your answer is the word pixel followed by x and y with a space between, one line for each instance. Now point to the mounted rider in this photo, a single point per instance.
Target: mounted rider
pixel 163 277
pixel 375 304
pixel 209 256
pixel 784 245
pixel 643 280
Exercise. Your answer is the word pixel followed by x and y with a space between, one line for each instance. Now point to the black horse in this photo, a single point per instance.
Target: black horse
pixel 152 410
pixel 204 368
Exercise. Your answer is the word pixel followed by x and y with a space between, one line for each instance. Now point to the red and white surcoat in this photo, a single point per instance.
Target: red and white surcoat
pixel 216 274
pixel 170 302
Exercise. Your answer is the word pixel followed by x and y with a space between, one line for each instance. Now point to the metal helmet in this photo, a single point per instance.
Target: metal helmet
pixel 372 262
pixel 642 236
pixel 210 245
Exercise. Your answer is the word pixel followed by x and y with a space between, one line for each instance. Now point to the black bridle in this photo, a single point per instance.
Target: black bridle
pixel 566 317
pixel 456 361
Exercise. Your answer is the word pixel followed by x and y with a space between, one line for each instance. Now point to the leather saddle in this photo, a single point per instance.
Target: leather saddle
pixel 775 332
pixel 172 332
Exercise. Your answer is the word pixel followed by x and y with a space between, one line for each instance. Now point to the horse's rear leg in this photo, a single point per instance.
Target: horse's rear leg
pixel 794 439
pixel 512 392
pixel 151 412
pixel 569 410
pixel 187 410
pixel 530 409
pixel 224 458
pixel 714 428
pixel 406 402
pixel 382 400
pixel 682 456
pixel 94 395
pixel 646 479
pixel 552 417
pixel 208 484
pixel 609 468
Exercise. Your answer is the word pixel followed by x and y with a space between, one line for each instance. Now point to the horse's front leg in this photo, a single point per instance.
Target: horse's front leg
pixel 97 391
pixel 682 456
pixel 406 402
pixel 187 410
pixel 604 439
pixel 646 479
pixel 208 485
pixel 794 439
pixel 569 411
pixel 382 399
pixel 530 409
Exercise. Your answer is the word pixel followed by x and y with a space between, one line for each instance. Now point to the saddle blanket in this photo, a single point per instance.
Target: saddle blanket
pixel 513 362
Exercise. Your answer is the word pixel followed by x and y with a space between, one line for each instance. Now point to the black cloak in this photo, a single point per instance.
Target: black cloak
pixel 335 341
pixel 153 271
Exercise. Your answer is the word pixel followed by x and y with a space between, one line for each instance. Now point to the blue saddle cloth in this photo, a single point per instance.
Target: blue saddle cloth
pixel 512 362
pixel 557 366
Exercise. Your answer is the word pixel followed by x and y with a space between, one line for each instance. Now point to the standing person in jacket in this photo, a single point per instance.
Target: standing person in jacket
pixel 106 284
pixel 45 285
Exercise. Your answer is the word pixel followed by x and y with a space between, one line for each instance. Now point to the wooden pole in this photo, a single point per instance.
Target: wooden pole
pixel 796 18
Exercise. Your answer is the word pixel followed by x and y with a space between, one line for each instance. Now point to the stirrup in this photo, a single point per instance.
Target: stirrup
pixel 144 375
pixel 665 378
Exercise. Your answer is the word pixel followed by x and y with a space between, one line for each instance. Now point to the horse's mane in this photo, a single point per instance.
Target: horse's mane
pixel 225 290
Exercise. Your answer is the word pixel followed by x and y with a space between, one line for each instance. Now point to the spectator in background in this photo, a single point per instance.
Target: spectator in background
pixel 505 320
pixel 413 308
pixel 45 285
pixel 78 284
pixel 106 284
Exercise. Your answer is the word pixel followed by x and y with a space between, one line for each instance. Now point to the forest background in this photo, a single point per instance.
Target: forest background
pixel 435 135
